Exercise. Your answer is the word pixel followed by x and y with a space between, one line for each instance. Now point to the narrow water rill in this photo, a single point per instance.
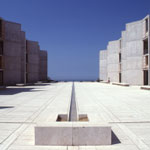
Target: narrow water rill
pixel 73 106
pixel 72 129
pixel 73 114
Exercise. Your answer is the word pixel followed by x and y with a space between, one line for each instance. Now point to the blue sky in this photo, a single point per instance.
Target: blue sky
pixel 73 31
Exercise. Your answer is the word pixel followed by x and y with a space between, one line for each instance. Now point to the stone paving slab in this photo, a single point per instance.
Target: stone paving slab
pixel 126 110
pixel 72 133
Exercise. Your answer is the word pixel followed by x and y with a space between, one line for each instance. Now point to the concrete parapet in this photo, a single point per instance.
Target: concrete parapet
pixel 145 87
pixel 103 65
pixel 73 134
pixel 121 84
pixel 104 82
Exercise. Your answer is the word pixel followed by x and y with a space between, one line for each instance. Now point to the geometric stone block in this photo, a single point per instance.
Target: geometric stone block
pixel 53 136
pixel 120 84
pixel 72 134
pixel 91 136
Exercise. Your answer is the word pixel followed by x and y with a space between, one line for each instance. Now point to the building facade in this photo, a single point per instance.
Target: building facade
pixel 43 65
pixel 103 65
pixel 19 58
pixel 128 58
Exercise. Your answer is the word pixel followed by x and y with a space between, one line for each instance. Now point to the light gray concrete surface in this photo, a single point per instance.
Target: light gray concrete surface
pixel 132 53
pixel 103 65
pixel 58 135
pixel 12 53
pixel 33 50
pixel 72 134
pixel 43 58
pixel 125 109
pixel 21 59
pixel 133 59
pixel 87 134
pixel 113 50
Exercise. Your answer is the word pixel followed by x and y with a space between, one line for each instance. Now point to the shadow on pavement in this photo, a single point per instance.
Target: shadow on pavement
pixel 42 84
pixel 14 90
pixel 6 107
pixel 114 138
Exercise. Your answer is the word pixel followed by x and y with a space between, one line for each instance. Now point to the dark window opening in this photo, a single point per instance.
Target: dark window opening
pixel 26 78
pixel 26 58
pixel 26 46
pixel 26 67
pixel 145 46
pixel 146 60
pixel 1 77
pixel 0 28
pixel 120 77
pixel 146 24
pixel 145 77
pixel 119 67
pixel 119 57
pixel 1 63
pixel 1 48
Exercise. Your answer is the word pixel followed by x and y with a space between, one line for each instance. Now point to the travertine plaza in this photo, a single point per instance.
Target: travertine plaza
pixel 21 60
pixel 125 109
pixel 127 59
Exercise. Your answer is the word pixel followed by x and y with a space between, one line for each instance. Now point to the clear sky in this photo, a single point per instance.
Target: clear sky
pixel 73 31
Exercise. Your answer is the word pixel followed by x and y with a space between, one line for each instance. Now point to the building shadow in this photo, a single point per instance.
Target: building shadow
pixel 6 107
pixel 42 84
pixel 15 90
pixel 114 138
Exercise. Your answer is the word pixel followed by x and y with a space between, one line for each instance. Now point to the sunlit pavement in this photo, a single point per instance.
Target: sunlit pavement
pixel 125 109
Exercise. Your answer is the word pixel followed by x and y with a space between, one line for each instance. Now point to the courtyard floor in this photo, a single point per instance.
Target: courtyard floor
pixel 125 109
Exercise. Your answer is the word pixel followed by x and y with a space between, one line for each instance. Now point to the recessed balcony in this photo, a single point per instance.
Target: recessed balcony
pixel 1 63
pixel 145 46
pixel 145 62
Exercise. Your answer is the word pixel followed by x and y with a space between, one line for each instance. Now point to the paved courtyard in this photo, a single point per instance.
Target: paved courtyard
pixel 125 109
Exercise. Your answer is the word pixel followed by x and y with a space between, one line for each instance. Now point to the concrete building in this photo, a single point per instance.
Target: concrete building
pixel 128 58
pixel 43 65
pixel 23 57
pixel 113 69
pixel 103 65
pixel 32 59
pixel 19 58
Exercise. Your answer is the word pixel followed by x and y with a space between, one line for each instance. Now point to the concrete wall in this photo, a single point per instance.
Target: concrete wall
pixel 132 58
pixel 33 61
pixel 43 65
pixel 12 53
pixel 23 57
pixel 132 53
pixel 103 65
pixel 148 35
pixel 149 58
pixel 113 50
